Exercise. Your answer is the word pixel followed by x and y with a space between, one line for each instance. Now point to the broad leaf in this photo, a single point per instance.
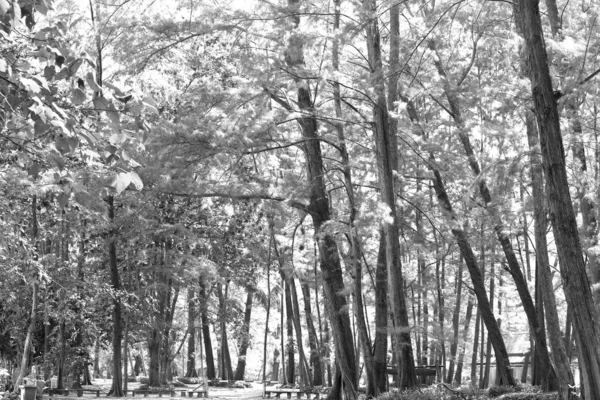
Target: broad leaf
pixel 121 181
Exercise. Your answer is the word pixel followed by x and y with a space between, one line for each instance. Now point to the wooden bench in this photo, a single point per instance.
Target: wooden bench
pixel 147 392
pixel 289 392
pixel 97 391
pixel 190 393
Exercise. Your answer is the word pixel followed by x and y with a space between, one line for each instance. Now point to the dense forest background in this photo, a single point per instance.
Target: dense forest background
pixel 318 192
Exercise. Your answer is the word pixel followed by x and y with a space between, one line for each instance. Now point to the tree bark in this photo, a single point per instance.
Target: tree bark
pixel 381 320
pixel 34 301
pixel 559 352
pixel 455 323
pixel 386 159
pixel 503 363
pixel 315 351
pixel 225 360
pixel 570 254
pixel 117 380
pixel 320 212
pixel 546 370
pixel 465 335
pixel 245 339
pixel 191 349
pixel 210 359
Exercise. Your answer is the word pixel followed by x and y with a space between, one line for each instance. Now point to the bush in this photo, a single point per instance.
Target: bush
pixel 529 396
pixel 496 391
pixel 143 379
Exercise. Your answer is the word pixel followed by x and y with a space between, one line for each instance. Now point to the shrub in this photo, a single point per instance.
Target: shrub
pixel 496 391
pixel 529 396
pixel 143 379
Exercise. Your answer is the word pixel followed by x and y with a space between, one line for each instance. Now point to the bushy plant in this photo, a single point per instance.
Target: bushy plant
pixel 529 396
pixel 143 379
pixel 496 391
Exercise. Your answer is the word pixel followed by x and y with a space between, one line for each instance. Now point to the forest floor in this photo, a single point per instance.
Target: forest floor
pixel 252 393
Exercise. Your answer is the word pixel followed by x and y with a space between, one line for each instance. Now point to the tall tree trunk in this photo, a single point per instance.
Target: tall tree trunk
pixel 386 161
pixel 559 352
pixel 455 322
pixel 97 358
pixel 245 339
pixel 117 380
pixel 475 349
pixel 210 359
pixel 225 360
pixel 266 337
pixel 315 351
pixel 320 212
pixel 34 301
pixel 355 244
pixel 191 349
pixel 503 363
pixel 381 320
pixel 125 352
pixel 465 336
pixel 514 268
pixel 570 254
pixel 488 350
pixel 289 327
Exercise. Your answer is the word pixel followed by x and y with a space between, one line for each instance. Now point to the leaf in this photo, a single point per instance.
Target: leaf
pixel 121 181
pixel 57 160
pixel 73 143
pixel 30 85
pixel 78 96
pixel 136 108
pixel 110 149
pixel 63 199
pixel 101 104
pixel 62 145
pixel 41 7
pixel 151 104
pixel 4 6
pixel 41 127
pixel 84 198
pixel 3 64
pixel 74 66
pixel 91 81
pixel 34 169
pixel 16 14
pixel 136 181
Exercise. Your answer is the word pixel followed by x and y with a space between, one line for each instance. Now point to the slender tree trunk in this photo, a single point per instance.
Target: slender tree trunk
pixel 315 351
pixel 455 322
pixel 245 339
pixel 570 254
pixel 264 376
pixel 210 359
pixel 503 363
pixel 34 302
pixel 191 350
pixel 125 352
pixel 559 352
pixel 226 367
pixel 320 212
pixel 465 336
pixel 356 247
pixel 387 160
pixel 117 380
pixel 514 268
pixel 488 350
pixel 381 320
pixel 97 358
